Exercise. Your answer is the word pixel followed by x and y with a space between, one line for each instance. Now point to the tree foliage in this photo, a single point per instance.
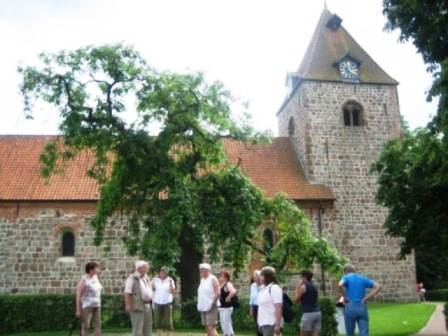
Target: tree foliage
pixel 178 195
pixel 413 171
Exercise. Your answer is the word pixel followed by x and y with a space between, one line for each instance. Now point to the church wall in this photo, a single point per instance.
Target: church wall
pixel 340 157
pixel 30 249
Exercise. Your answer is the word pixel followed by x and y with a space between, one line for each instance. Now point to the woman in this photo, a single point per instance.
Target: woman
pixel 164 289
pixel 255 287
pixel 227 291
pixel 270 303
pixel 208 296
pixel 88 302
pixel 306 295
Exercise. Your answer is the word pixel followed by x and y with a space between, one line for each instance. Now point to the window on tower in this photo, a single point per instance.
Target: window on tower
pixel 353 114
pixel 291 127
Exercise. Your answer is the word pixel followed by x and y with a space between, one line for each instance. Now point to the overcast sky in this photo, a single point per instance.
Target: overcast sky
pixel 249 45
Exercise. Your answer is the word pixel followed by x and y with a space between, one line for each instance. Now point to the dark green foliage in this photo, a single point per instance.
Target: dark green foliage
pixel 413 171
pixel 189 315
pixel 329 323
pixel 437 295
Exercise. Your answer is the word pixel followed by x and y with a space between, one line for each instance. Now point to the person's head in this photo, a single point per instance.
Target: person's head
pixel 306 275
pixel 163 272
pixel 205 270
pixel 142 267
pixel 92 267
pixel 268 275
pixel 256 277
pixel 349 268
pixel 224 276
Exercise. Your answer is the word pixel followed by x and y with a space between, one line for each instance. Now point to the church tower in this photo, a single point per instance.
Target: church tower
pixel 340 111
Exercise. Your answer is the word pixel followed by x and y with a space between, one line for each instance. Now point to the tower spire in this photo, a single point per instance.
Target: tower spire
pixel 325 4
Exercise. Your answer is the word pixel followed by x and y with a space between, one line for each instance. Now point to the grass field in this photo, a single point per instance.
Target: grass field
pixel 386 319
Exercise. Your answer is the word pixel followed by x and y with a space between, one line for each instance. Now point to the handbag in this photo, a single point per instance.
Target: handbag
pixel 235 302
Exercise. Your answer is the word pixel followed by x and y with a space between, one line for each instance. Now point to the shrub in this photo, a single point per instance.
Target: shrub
pixel 437 295
pixel 446 316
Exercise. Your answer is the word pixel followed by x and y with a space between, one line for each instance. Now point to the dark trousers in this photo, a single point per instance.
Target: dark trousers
pixel 255 311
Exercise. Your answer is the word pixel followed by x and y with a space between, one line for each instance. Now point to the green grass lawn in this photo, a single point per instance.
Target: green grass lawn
pixel 398 319
pixel 386 319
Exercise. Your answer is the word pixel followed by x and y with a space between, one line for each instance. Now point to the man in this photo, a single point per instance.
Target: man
pixel 208 295
pixel 353 288
pixel 138 297
pixel 306 295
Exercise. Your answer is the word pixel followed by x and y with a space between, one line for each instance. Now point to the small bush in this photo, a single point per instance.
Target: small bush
pixel 446 316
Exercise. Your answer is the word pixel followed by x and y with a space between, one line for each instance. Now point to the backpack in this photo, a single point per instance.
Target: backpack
pixel 287 312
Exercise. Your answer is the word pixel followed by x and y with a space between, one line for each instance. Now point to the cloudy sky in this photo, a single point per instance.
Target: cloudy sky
pixel 249 45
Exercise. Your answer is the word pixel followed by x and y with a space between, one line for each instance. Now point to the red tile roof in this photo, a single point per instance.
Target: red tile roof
pixel 276 168
pixel 20 177
pixel 273 168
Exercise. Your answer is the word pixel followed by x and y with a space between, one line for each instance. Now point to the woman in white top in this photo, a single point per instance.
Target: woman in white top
pixel 208 295
pixel 88 301
pixel 164 288
pixel 270 303
pixel 225 310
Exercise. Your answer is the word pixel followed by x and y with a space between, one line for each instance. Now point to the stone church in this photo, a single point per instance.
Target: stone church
pixel 340 110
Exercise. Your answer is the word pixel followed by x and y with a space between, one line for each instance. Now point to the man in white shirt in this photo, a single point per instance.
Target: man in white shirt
pixel 138 298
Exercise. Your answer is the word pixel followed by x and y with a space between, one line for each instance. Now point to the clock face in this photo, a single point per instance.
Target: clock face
pixel 348 69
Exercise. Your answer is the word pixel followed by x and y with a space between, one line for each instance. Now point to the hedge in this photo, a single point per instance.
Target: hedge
pixel 437 295
pixel 21 313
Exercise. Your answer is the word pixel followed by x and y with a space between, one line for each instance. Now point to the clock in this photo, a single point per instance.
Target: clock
pixel 348 70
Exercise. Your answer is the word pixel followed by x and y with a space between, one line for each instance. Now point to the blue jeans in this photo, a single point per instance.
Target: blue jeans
pixel 356 312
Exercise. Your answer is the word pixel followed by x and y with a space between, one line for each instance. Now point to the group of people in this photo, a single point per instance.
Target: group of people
pixel 141 294
pixel 215 297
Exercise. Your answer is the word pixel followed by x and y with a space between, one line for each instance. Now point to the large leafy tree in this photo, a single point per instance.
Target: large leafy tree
pixel 177 195
pixel 413 171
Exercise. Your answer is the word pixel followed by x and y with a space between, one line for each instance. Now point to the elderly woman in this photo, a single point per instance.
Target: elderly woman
pixel 208 295
pixel 164 288
pixel 255 288
pixel 270 303
pixel 225 310
pixel 88 302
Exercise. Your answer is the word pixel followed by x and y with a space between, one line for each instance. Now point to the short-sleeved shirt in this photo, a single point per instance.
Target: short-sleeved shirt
pixel 253 295
pixel 162 290
pixel 355 286
pixel 267 298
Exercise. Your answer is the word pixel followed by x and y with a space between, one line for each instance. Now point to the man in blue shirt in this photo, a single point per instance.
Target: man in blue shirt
pixel 353 288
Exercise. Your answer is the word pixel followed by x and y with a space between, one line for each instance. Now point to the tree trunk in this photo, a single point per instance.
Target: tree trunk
pixel 189 270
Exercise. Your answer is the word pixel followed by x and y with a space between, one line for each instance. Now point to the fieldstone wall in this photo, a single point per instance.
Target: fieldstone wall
pixel 31 247
pixel 340 157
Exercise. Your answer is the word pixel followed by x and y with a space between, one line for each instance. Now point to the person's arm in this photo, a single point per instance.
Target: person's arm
pixel 342 290
pixel 278 317
pixel 216 289
pixel 375 289
pixel 300 290
pixel 172 286
pixel 128 295
pixel 79 291
pixel 232 291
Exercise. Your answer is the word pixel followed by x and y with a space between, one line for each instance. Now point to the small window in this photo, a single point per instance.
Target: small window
pixel 291 127
pixel 68 244
pixel 353 114
pixel 268 238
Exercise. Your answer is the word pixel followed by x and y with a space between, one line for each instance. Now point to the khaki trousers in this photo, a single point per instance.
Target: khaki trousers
pixel 142 322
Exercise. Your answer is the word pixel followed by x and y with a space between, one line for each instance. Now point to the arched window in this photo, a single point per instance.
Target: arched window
pixel 68 244
pixel 353 114
pixel 291 126
pixel 268 239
